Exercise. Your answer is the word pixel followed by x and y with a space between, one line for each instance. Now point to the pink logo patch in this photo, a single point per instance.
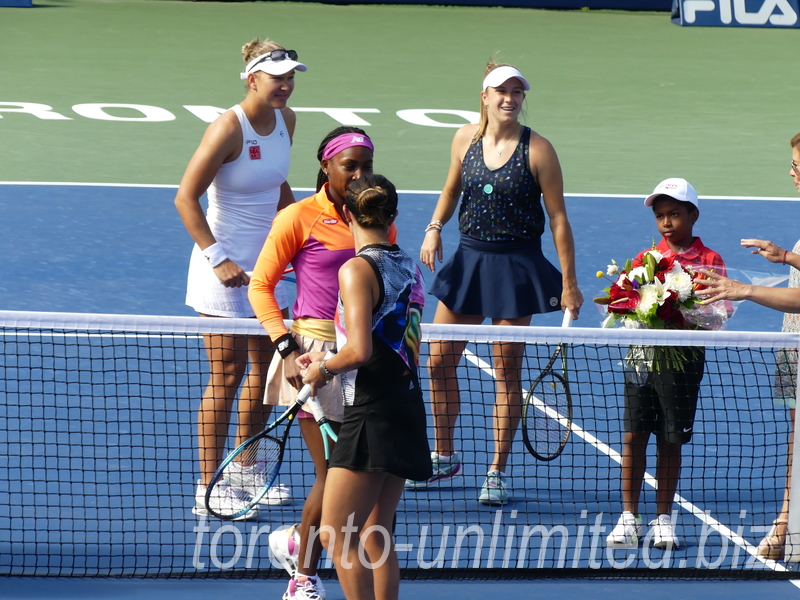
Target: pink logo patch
pixel 255 152
pixel 330 221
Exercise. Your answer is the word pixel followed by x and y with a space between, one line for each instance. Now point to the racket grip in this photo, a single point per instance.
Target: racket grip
pixel 315 409
pixel 304 394
pixel 567 321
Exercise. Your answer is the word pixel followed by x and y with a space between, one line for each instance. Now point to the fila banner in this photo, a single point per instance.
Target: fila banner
pixel 738 13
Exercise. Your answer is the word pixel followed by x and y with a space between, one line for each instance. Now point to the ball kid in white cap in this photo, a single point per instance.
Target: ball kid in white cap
pixel 674 187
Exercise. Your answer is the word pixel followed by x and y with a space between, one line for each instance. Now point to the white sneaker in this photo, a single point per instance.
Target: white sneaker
pixel 224 500
pixel 285 547
pixel 305 588
pixel 627 532
pixel 664 537
pixel 251 480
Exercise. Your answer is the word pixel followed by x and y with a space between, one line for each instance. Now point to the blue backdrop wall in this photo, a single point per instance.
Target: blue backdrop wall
pixel 659 5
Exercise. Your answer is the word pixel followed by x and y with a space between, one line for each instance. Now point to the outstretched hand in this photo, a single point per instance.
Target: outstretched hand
pixel 716 287
pixel 772 252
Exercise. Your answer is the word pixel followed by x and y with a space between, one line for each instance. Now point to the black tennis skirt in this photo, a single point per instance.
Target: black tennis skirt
pixel 498 280
pixel 386 434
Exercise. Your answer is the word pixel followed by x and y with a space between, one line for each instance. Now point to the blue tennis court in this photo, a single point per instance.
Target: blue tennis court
pixel 130 245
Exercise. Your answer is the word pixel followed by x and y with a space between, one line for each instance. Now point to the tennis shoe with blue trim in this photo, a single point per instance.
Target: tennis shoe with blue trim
pixel 251 479
pixel 443 470
pixel 224 500
pixel 627 532
pixel 304 588
pixel 494 491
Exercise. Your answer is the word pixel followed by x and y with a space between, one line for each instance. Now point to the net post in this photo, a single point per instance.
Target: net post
pixel 792 548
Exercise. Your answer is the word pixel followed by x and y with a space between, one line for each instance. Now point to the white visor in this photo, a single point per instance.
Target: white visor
pixel 502 74
pixel 272 67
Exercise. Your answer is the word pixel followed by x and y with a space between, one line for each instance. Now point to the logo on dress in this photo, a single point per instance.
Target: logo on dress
pixel 553 301
pixel 330 221
pixel 255 152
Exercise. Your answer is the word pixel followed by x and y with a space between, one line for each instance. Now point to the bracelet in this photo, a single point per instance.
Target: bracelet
pixel 437 225
pixel 215 255
pixel 784 257
pixel 324 370
pixel 286 344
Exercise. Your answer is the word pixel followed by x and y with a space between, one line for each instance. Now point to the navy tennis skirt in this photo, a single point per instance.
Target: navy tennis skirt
pixel 498 280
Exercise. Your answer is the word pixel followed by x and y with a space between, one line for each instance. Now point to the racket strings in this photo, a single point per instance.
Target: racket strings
pixel 549 409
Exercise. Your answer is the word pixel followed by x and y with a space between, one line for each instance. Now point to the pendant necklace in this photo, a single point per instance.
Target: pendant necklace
pixel 500 152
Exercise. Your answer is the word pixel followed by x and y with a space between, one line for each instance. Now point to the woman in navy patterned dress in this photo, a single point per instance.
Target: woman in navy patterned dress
pixel 503 169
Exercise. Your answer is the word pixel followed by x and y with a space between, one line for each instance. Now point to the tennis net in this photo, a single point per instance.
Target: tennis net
pixel 98 436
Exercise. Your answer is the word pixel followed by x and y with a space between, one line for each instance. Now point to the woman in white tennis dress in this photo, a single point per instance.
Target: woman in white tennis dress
pixel 243 162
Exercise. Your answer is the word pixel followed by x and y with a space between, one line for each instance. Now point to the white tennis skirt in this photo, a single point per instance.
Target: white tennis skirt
pixel 206 294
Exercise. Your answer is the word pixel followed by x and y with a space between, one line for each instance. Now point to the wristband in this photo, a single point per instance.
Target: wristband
pixel 784 257
pixel 215 255
pixel 324 370
pixel 286 344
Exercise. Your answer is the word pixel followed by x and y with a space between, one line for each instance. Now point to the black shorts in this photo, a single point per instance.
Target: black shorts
pixel 666 403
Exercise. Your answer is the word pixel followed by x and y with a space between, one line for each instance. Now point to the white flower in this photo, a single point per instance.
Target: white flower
pixel 648 298
pixel 629 323
pixel 639 273
pixel 679 281
pixel 612 270
pixel 655 254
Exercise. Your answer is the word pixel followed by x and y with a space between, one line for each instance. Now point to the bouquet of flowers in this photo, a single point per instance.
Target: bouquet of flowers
pixel 659 294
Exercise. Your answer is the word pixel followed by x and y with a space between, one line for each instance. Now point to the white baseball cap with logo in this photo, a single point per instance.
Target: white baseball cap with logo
pixel 674 187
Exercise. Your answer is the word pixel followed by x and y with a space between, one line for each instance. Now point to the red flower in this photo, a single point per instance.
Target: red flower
pixel 669 313
pixel 622 301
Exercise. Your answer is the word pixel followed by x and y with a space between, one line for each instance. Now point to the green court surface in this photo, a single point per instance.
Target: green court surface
pixel 627 98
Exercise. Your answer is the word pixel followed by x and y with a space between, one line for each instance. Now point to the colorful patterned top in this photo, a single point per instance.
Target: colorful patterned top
pixel 791 321
pixel 786 359
pixel 392 370
pixel 502 204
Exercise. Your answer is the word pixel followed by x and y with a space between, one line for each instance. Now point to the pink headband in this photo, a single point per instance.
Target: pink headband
pixel 345 141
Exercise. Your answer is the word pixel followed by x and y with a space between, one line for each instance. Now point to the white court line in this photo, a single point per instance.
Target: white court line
pixel 426 192
pixel 702 516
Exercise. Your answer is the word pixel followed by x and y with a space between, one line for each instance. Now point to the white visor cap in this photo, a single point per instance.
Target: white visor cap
pixel 502 74
pixel 272 67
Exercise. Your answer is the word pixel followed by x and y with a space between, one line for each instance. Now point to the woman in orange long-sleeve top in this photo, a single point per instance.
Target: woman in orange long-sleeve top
pixel 313 236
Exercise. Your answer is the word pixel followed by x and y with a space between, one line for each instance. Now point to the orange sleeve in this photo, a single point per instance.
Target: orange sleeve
pixel 285 239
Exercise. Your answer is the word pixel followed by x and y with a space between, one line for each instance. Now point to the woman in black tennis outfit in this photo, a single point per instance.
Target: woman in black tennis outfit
pixel 504 169
pixel 383 438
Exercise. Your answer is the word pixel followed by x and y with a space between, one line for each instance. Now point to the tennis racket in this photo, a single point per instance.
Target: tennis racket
pixel 547 414
pixel 324 424
pixel 263 450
